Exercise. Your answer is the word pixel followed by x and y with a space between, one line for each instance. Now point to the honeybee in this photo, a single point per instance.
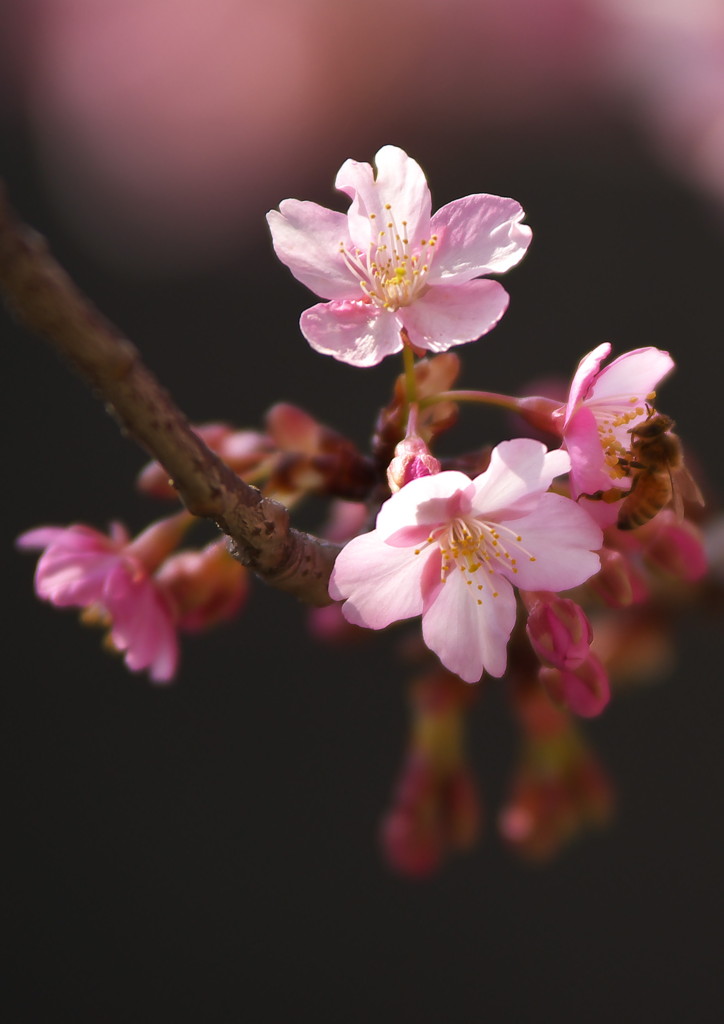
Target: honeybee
pixel 658 475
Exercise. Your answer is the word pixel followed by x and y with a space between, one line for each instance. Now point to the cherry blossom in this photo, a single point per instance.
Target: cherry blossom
pixel 110 576
pixel 392 272
pixel 450 549
pixel 603 406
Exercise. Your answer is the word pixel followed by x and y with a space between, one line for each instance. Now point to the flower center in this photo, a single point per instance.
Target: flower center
pixel 390 274
pixel 614 416
pixel 481 549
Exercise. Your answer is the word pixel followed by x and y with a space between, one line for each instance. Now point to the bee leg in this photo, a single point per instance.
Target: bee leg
pixel 609 496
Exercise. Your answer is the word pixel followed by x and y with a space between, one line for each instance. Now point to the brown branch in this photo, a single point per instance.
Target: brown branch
pixel 44 299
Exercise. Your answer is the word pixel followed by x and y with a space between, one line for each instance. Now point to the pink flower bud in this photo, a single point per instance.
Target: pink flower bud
pixel 559 631
pixel 677 548
pixel 618 582
pixel 204 587
pixel 433 812
pixel 241 450
pixel 412 460
pixel 585 691
pixel 558 791
pixel 293 429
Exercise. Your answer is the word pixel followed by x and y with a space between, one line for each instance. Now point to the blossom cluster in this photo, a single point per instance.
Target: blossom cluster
pixel 507 554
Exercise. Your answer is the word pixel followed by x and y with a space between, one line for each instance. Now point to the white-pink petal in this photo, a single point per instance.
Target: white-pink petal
pixel 381 583
pixel 425 502
pixel 400 184
pixel 519 471
pixel 633 373
pixel 307 238
pixel 589 472
pixel 479 234
pixel 584 377
pixel 468 637
pixel 563 541
pixel 454 314
pixel 355 332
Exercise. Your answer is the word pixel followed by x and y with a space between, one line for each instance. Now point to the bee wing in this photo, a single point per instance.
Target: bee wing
pixel 685 489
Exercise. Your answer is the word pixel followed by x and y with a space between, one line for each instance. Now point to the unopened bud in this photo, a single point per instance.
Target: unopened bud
pixel 618 583
pixel 677 548
pixel 585 691
pixel 412 460
pixel 205 587
pixel 559 631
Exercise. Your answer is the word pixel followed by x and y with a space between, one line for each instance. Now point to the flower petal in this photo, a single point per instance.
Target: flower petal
pixel 381 584
pixel 449 315
pixel 584 377
pixel 479 234
pixel 588 467
pixel 354 332
pixel 519 471
pixel 423 503
pixel 67 578
pixel 142 625
pixel 400 185
pixel 634 373
pixel 561 540
pixel 307 238
pixel 469 637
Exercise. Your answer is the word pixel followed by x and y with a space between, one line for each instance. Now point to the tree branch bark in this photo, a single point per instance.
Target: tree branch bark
pixel 44 300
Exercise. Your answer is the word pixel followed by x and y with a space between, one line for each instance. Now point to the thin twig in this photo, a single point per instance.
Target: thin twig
pixel 44 300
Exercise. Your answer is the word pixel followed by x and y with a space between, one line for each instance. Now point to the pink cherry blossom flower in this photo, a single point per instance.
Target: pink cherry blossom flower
pixel 392 272
pixel 450 549
pixel 603 406
pixel 111 577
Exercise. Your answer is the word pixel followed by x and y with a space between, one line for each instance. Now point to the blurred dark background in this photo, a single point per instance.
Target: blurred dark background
pixel 209 849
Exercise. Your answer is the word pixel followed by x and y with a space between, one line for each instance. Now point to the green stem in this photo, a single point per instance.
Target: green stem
pixel 488 397
pixel 408 357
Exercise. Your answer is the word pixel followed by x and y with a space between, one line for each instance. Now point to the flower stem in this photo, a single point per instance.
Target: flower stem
pixel 542 413
pixel 488 397
pixel 408 357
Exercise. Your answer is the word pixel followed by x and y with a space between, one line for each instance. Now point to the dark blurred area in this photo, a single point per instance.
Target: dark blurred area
pixel 208 850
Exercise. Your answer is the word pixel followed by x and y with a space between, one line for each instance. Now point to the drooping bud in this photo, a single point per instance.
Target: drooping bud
pixel 584 690
pixel 677 548
pixel 618 582
pixel 435 807
pixel 559 631
pixel 559 789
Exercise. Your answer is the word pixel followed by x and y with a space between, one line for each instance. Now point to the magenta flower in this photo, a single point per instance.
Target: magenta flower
pixel 603 406
pixel 450 548
pixel 110 577
pixel 392 272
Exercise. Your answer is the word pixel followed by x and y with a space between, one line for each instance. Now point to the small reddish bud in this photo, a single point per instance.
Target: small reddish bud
pixel 435 807
pixel 241 450
pixel 618 582
pixel 205 587
pixel 559 631
pixel 585 690
pixel 412 460
pixel 677 548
